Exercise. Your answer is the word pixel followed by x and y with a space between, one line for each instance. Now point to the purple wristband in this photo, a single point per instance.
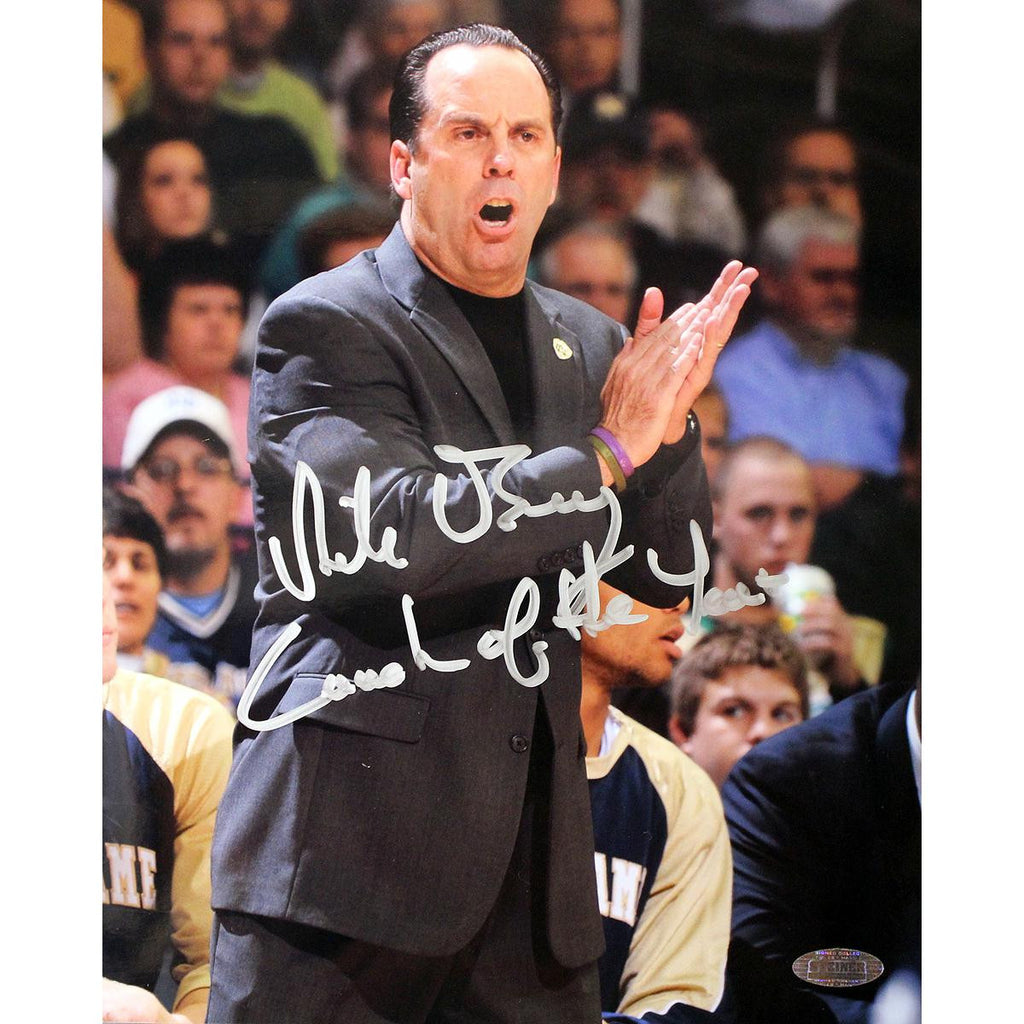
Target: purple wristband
pixel 617 450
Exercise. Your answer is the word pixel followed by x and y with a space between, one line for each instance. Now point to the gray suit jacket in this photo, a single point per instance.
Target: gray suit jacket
pixel 390 816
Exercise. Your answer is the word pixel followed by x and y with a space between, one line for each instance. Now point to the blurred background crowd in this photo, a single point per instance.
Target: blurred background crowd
pixel 245 147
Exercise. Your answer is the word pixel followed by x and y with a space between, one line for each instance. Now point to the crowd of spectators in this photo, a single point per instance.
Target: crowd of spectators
pixel 246 147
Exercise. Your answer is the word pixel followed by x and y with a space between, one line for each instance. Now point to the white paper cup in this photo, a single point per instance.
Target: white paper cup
pixel 804 584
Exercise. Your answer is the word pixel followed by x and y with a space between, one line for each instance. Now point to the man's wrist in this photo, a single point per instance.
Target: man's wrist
pixel 613 456
pixel 607 480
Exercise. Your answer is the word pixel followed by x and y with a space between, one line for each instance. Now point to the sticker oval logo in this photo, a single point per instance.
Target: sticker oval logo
pixel 562 350
pixel 838 967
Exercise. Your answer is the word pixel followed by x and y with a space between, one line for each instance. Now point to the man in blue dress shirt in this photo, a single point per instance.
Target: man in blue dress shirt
pixel 796 376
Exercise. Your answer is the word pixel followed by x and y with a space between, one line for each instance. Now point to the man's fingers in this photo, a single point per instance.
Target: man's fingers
pixel 649 316
pixel 687 314
pixel 648 354
pixel 689 348
pixel 727 294
pixel 732 275
pixel 705 329
pixel 684 313
pixel 729 273
pixel 739 288
pixel 675 358
pixel 722 321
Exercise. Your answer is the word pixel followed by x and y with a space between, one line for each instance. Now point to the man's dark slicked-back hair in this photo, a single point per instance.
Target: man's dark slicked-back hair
pixel 408 102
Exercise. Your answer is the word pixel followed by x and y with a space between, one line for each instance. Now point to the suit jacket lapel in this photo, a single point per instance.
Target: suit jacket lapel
pixel 900 805
pixel 556 357
pixel 556 365
pixel 433 312
pixel 899 828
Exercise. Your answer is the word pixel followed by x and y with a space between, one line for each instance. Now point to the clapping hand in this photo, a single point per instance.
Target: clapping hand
pixel 654 380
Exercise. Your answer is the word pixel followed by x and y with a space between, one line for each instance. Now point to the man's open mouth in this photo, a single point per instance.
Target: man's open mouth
pixel 496 210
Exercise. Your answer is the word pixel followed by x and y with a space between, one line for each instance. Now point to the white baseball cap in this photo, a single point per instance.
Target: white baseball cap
pixel 175 405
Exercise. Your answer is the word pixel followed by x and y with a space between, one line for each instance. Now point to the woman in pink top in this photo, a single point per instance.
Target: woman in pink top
pixel 192 301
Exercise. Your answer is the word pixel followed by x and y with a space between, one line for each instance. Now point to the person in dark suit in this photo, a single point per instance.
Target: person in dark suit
pixel 406 832
pixel 825 822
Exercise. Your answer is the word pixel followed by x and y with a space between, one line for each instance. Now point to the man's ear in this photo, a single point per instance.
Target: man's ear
pixel 558 171
pixel 675 731
pixel 401 159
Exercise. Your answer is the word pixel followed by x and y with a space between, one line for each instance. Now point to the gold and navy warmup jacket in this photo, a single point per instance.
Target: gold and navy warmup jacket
pixel 664 874
pixel 166 755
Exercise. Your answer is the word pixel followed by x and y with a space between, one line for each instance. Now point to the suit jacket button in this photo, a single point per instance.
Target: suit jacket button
pixel 519 743
pixel 534 635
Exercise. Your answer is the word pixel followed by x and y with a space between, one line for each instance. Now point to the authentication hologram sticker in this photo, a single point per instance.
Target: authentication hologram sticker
pixel 837 967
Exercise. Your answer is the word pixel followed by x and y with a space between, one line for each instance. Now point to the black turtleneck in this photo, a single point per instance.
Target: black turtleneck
pixel 500 326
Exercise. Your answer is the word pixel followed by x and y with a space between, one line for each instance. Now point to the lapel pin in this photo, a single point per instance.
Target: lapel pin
pixel 562 350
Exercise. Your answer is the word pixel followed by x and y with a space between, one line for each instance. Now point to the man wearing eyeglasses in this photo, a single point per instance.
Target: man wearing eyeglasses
pixel 178 458
pixel 814 164
pixel 797 376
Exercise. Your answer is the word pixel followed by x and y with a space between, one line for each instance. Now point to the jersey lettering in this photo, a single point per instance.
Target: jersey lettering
pixel 604 905
pixel 627 882
pixel 147 869
pixel 132 876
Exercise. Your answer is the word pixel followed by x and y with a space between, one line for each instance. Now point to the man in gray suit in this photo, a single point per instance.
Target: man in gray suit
pixel 406 832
